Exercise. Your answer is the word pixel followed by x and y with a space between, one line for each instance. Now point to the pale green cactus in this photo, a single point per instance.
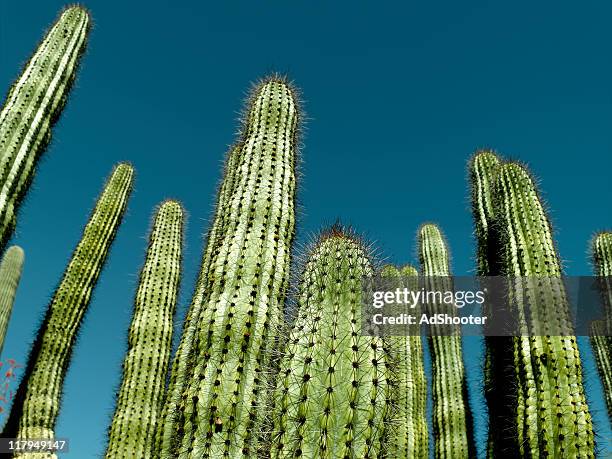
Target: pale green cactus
pixel 10 273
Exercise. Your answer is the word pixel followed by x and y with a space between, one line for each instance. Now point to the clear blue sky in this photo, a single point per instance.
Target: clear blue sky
pixel 397 97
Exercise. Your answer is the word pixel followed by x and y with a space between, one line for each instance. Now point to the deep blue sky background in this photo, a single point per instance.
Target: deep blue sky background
pixel 397 97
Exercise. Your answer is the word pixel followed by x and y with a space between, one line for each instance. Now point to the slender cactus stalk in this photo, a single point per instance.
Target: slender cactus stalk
pixel 243 290
pixel 139 402
pixel 10 273
pixel 452 419
pixel 32 106
pixel 37 400
pixel 331 395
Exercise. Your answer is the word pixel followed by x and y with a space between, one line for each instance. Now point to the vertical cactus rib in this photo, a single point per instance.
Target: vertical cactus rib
pixel 32 106
pixel 132 430
pixel 552 417
pixel 332 389
pixel 407 435
pixel 37 400
pixel 244 287
pixel 10 273
pixel 452 419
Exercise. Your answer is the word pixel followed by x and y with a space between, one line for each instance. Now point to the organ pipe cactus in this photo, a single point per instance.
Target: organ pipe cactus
pixel 331 395
pixel 32 105
pixel 37 400
pixel 407 435
pixel 10 273
pixel 243 289
pixel 452 420
pixel 139 401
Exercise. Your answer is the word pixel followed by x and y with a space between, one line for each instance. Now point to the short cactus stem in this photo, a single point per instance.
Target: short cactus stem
pixel 132 430
pixel 37 400
pixel 10 273
pixel 32 105
pixel 331 394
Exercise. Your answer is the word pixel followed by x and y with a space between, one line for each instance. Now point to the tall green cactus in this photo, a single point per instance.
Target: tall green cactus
pixel 10 273
pixel 137 414
pixel 37 400
pixel 331 395
pixel 452 419
pixel 601 341
pixel 32 105
pixel 243 289
pixel 551 417
pixel 408 436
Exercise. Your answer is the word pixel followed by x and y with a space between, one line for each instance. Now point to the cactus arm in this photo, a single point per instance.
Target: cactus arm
pixel 10 273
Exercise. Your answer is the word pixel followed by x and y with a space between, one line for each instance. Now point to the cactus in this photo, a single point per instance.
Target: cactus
pixel 551 417
pixel 10 273
pixel 32 105
pixel 242 290
pixel 150 339
pixel 331 395
pixel 408 436
pixel 37 400
pixel 452 419
pixel 601 341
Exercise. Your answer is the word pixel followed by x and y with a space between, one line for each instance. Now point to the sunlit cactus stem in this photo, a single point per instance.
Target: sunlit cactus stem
pixel 37 400
pixel 10 273
pixel 452 419
pixel 331 394
pixel 32 105
pixel 138 409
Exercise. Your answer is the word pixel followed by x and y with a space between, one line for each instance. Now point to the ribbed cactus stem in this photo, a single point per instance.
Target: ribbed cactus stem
pixel 407 435
pixel 552 417
pixel 32 105
pixel 330 400
pixel 452 420
pixel 37 400
pixel 244 289
pixel 139 402
pixel 10 273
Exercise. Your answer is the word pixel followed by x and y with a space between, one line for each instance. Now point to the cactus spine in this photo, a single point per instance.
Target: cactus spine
pixel 32 105
pixel 243 291
pixel 139 402
pixel 551 417
pixel 10 273
pixel 37 399
pixel 452 420
pixel 408 436
pixel 331 393
pixel 601 341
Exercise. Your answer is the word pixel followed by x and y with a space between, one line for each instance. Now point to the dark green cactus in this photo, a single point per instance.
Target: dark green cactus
pixel 32 105
pixel 10 273
pixel 139 402
pixel 243 290
pixel 331 395
pixel 407 435
pixel 37 400
pixel 452 419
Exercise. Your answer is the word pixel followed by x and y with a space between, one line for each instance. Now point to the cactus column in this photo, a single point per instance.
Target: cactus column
pixel 10 273
pixel 139 402
pixel 452 420
pixel 330 400
pixel 37 400
pixel 32 105
pixel 244 289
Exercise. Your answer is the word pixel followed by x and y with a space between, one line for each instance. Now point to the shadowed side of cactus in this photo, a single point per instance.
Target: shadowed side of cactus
pixel 32 105
pixel 452 419
pixel 10 273
pixel 244 288
pixel 407 434
pixel 37 400
pixel 132 430
pixel 331 394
